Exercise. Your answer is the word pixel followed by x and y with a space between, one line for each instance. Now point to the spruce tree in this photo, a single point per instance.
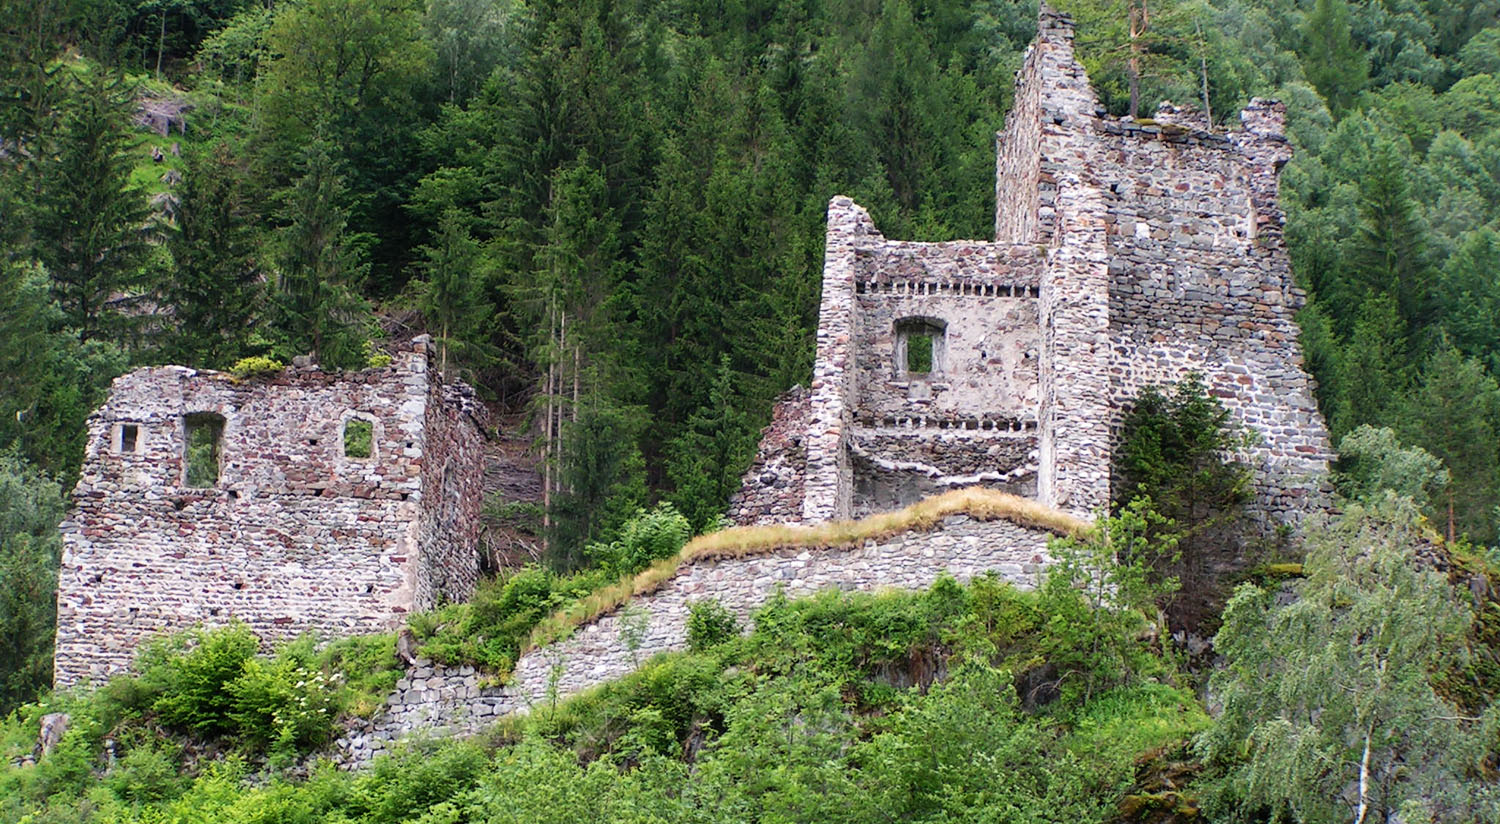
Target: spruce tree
pixel 1330 59
pixel 1390 249
pixel 93 226
pixel 452 291
pixel 705 461
pixel 1372 366
pixel 215 292
pixel 1455 414
pixel 320 266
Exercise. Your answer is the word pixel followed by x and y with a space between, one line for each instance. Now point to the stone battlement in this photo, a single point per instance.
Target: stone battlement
pixel 331 502
pixel 1127 253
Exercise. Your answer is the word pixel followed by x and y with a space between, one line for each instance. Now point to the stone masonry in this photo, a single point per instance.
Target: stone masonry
pixel 1127 254
pixel 294 535
pixel 441 701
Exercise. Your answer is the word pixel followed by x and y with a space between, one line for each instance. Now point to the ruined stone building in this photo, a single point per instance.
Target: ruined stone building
pixel 330 502
pixel 1127 253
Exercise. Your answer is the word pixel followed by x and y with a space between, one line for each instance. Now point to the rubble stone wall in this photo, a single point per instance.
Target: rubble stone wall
pixel 771 491
pixel 293 537
pixel 441 701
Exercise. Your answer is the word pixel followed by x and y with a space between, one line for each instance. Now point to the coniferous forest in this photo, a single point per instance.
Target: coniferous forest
pixel 609 216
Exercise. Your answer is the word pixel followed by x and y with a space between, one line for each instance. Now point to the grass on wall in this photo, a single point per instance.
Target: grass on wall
pixel 740 542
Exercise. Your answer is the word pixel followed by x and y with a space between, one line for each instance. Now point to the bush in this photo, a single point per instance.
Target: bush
pixel 710 624
pixel 191 674
pixel 660 533
pixel 256 366
pixel 286 704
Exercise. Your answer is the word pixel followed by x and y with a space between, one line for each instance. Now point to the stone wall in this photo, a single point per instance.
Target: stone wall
pixel 437 700
pixel 771 491
pixel 294 536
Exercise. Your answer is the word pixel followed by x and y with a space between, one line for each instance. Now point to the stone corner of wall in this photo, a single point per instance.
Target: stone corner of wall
pixel 845 217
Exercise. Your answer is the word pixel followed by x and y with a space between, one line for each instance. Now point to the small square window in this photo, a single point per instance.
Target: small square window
pixel 919 347
pixel 130 437
pixel 359 438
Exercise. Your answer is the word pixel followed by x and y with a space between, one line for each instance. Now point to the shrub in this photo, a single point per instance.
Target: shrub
pixel 191 674
pixel 286 704
pixel 660 533
pixel 710 623
pixel 255 366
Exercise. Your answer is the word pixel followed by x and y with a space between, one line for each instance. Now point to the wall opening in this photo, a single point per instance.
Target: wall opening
pixel 205 436
pixel 130 438
pixel 920 346
pixel 359 438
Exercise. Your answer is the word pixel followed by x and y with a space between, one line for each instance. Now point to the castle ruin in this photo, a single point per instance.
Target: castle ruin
pixel 330 502
pixel 1127 253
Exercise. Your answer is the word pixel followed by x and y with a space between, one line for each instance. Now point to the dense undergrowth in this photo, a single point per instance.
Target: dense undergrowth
pixel 975 702
pixel 827 710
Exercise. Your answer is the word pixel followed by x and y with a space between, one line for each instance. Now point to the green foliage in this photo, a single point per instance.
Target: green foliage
pixel 659 533
pixel 1329 711
pixel 192 676
pixel 285 705
pixel 1372 461
pixel 1178 451
pixel 1101 593
pixel 359 438
pixel 30 548
pixel 256 366
pixel 710 624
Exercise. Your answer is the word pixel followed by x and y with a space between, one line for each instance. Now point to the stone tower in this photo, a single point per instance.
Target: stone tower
pixel 1127 253
pixel 325 502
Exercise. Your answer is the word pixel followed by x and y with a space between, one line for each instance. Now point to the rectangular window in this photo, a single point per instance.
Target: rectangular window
pixel 359 438
pixel 129 437
pixel 205 431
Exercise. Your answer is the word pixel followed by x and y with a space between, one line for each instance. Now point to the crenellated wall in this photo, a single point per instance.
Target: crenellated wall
pixel 294 535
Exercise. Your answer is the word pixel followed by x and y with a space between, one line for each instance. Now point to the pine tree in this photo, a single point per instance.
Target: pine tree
pixel 452 294
pixel 705 461
pixel 320 266
pixel 1455 414
pixel 215 293
pixel 93 226
pixel 1330 59
pixel 1390 250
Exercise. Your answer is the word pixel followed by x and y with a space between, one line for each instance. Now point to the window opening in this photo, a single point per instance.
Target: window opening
pixel 919 347
pixel 129 437
pixel 359 438
pixel 205 434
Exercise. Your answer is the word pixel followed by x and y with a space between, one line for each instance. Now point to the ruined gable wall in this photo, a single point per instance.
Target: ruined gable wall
pixel 771 490
pixel 294 537
pixel 973 420
pixel 828 484
pixel 1201 282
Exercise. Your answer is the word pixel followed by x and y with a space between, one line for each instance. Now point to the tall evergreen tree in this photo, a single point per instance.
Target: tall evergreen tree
pixel 1390 249
pixel 1372 373
pixel 706 459
pixel 1455 414
pixel 93 226
pixel 320 265
pixel 1332 62
pixel 452 291
pixel 216 289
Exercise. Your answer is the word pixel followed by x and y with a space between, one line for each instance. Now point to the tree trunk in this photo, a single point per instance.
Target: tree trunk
pixel 161 39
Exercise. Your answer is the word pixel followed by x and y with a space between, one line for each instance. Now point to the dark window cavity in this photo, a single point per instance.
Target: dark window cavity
pixel 205 435
pixel 130 436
